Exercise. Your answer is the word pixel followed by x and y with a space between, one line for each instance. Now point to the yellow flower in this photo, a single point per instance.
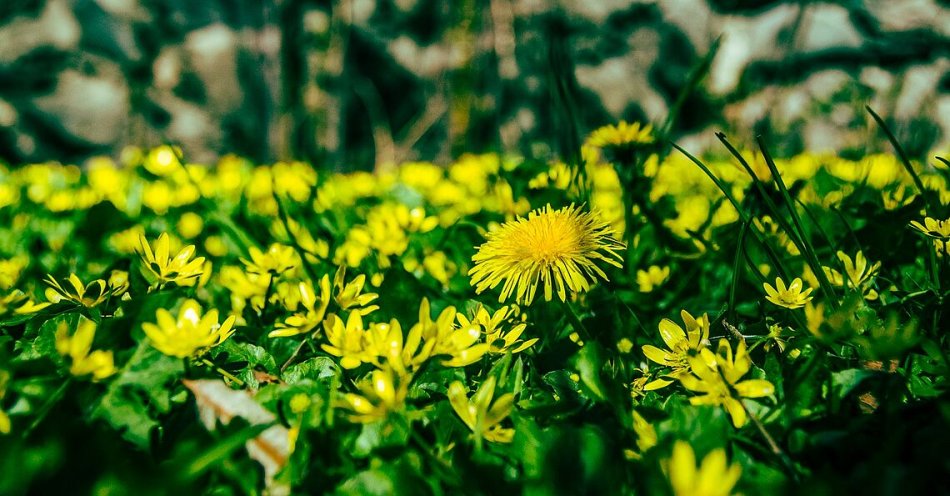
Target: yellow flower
pixel 160 268
pixel 348 295
pixel 646 436
pixel 87 295
pixel 652 277
pixel 551 247
pixel 163 160
pixel 621 134
pixel 345 341
pixel 860 274
pixel 459 345
pixel 78 348
pixel 190 225
pixel 713 477
pixel 11 269
pixel 939 230
pixel 383 392
pixel 386 341
pixel 789 297
pixel 278 259
pixel 482 415
pixel 499 340
pixel 717 377
pixel 190 334
pixel 19 303
pixel 681 345
pixel 314 309
pixel 625 346
pixel 5 425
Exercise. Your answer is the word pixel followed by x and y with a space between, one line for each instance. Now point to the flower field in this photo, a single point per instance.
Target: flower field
pixel 636 321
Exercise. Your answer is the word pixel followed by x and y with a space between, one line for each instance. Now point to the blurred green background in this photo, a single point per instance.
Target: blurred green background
pixel 352 84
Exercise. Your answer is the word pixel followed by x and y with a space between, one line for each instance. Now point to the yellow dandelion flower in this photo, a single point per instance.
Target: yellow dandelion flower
pixel 789 297
pixel 190 334
pixel 622 134
pixel 551 247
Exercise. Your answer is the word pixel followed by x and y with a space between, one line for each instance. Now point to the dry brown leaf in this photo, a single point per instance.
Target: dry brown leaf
pixel 219 403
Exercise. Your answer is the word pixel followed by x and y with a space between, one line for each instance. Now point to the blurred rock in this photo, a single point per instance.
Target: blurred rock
pixel 86 108
pixel 293 78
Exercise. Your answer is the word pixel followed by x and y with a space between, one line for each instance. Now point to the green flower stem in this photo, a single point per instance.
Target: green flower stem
pixel 48 406
pixel 221 371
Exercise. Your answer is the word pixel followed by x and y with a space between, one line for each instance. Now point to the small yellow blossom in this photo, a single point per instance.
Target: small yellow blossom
pixel 10 270
pixel 938 230
pixel 5 425
pixel 499 340
pixel 313 311
pixel 625 346
pixel 160 268
pixel 651 278
pixel 78 348
pixel 789 297
pixel 190 334
pixel 717 376
pixel 87 295
pixel 350 295
pixel 713 477
pixel 858 274
pixel 345 341
pixel 646 436
pixel 482 415
pixel 681 345
pixel 460 346
pixel 382 393
pixel 277 260
pixel 551 248
pixel 190 225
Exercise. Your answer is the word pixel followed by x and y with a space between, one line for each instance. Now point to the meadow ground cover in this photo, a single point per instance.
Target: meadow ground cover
pixel 644 322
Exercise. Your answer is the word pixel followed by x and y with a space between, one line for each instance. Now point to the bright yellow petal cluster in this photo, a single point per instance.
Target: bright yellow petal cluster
pixel 277 260
pixel 189 334
pixel 313 308
pixel 552 248
pixel 791 296
pixel 350 295
pixel 717 376
pixel 382 392
pixel 681 345
pixel 858 275
pixel 499 339
pixel 482 415
pixel 622 134
pixel 713 477
pixel 78 347
pixel 939 230
pixel 650 279
pixel 87 295
pixel 459 346
pixel 160 268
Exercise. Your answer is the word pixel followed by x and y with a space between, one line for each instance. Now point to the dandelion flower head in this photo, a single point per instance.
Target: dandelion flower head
pixel 553 248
